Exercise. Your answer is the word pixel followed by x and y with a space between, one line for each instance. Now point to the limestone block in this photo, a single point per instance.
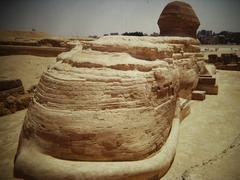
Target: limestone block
pixel 198 95
pixel 210 89
pixel 207 80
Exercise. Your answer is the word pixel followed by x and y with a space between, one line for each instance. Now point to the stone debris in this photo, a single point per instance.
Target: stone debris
pixel 207 80
pixel 198 95
pixel 227 61
pixel 12 96
pixel 211 90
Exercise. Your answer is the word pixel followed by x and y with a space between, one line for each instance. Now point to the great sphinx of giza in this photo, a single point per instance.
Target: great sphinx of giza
pixel 109 109
pixel 178 19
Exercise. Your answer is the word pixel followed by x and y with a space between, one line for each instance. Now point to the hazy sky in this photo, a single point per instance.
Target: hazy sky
pixel 90 17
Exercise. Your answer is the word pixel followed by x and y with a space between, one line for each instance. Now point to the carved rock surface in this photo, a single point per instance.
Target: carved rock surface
pixel 113 99
pixel 178 19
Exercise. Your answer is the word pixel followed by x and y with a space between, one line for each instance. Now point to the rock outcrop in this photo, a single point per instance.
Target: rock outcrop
pixel 12 96
pixel 111 100
pixel 178 19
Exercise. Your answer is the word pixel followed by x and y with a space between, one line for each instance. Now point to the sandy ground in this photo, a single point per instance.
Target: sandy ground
pixel 10 127
pixel 29 70
pixel 25 67
pixel 211 128
pixel 208 131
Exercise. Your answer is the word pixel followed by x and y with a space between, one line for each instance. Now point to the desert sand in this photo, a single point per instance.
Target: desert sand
pixel 208 146
pixel 25 67
pixel 210 129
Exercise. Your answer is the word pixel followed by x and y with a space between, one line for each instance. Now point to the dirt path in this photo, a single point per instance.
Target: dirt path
pixel 222 166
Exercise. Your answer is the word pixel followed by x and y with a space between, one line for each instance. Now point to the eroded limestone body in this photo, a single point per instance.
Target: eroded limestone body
pixel 113 99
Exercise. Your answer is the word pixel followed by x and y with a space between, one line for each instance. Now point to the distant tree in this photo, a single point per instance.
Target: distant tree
pixel 154 34
pixel 224 37
pixel 114 34
pixel 33 30
pixel 93 36
pixel 133 34
pixel 225 33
